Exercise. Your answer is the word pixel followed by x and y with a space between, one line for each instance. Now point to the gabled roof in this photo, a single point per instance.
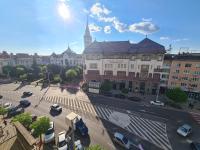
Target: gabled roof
pixel 69 51
pixel 123 47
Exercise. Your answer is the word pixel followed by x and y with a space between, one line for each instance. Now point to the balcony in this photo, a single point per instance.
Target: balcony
pixel 157 70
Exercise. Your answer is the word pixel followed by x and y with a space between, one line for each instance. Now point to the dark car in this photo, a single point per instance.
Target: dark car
pixel 195 146
pixel 135 99
pixel 56 108
pixel 121 96
pixel 1 96
pixel 24 103
pixel 15 111
pixel 27 94
pixel 109 94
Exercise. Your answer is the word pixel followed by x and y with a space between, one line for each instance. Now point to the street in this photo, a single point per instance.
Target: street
pixel 152 126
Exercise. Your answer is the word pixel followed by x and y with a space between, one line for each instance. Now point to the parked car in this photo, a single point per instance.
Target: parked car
pixel 122 140
pixel 109 94
pixel 27 94
pixel 34 117
pixel 135 99
pixel 121 96
pixel 24 103
pixel 56 108
pixel 78 145
pixel 1 96
pixel 80 126
pixel 195 146
pixel 50 135
pixel 184 130
pixel 15 111
pixel 7 106
pixel 63 141
pixel 157 103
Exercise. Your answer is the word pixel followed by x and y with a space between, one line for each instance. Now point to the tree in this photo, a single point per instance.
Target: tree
pixel 9 70
pixel 40 126
pixel 23 77
pixel 20 71
pixel 25 119
pixel 94 147
pixel 56 78
pixel 35 69
pixel 106 86
pixel 177 95
pixel 125 91
pixel 55 69
pixel 3 111
pixel 71 74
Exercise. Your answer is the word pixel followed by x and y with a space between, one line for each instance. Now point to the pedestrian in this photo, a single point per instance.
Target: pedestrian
pixel 5 122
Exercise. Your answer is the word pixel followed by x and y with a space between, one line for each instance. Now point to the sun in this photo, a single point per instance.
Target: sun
pixel 63 11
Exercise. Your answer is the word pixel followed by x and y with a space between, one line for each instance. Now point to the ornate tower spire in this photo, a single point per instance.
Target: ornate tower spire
pixel 87 36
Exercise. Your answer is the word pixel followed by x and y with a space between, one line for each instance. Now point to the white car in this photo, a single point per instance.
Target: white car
pixel 62 141
pixel 50 135
pixel 184 130
pixel 7 105
pixel 122 140
pixel 157 103
pixel 78 145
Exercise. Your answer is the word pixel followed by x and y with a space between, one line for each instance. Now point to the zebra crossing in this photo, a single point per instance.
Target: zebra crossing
pixel 196 117
pixel 150 130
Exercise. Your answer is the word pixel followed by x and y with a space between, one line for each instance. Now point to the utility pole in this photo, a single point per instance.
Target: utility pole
pixel 158 90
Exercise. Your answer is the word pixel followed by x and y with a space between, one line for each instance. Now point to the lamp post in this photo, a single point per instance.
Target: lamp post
pixel 158 90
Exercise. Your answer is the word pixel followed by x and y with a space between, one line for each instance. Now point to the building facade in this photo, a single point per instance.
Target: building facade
pixel 185 73
pixel 133 66
pixel 5 60
pixel 67 58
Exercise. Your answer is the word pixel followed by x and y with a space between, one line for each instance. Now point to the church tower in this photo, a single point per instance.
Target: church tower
pixel 87 36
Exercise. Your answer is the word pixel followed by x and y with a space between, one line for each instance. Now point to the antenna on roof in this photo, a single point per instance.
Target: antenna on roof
pixel 146 35
pixel 169 49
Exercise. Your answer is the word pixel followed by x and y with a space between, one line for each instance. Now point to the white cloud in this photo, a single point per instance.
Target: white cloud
pixel 119 26
pixel 98 9
pixel 147 19
pixel 94 28
pixel 107 29
pixel 164 38
pixel 180 40
pixel 143 27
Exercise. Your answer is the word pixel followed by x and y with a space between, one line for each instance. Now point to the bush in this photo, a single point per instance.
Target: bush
pixel 177 95
pixel 106 86
pixel 3 111
pixel 71 74
pixel 125 91
pixel 24 118
pixel 56 78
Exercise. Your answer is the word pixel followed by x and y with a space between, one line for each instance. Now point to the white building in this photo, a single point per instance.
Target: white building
pixel 67 58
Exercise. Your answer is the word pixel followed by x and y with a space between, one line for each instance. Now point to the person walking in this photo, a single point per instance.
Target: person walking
pixel 5 122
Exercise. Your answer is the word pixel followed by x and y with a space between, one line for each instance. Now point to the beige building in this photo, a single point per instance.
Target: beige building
pixel 185 73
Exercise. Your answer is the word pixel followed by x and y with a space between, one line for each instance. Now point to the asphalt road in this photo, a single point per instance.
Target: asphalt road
pixel 100 129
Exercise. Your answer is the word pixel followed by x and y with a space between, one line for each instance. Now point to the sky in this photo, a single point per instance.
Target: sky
pixel 47 26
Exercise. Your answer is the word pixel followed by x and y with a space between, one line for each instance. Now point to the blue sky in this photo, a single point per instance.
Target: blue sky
pixel 46 26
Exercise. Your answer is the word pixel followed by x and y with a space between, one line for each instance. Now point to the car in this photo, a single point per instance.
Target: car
pixel 78 145
pixel 80 126
pixel 49 136
pixel 33 117
pixel 195 146
pixel 24 103
pixel 184 130
pixel 15 111
pixel 135 99
pixel 157 103
pixel 1 96
pixel 7 106
pixel 63 141
pixel 56 108
pixel 122 140
pixel 27 94
pixel 121 96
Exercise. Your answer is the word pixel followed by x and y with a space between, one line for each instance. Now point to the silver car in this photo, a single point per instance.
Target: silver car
pixel 184 130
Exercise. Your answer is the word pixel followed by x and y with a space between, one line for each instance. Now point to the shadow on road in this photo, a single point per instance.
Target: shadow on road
pixel 20 86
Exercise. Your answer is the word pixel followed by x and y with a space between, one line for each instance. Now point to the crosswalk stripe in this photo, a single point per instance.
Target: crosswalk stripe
pixel 103 112
pixel 98 110
pixel 149 133
pixel 159 136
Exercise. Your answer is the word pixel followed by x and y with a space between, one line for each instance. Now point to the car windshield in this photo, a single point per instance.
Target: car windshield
pixel 184 129
pixel 62 143
pixel 125 140
pixel 49 131
pixel 55 106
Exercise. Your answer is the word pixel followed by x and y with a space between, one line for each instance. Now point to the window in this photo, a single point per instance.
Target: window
pixel 197 65
pixel 165 76
pixel 195 79
pixel 146 58
pixel 184 78
pixel 132 66
pixel 93 66
pixel 124 65
pixel 193 85
pixel 183 84
pixel 175 77
pixel 178 65
pixel 177 71
pixel 118 65
pixel 188 65
pixel 158 67
pixel 159 58
pixel 186 71
pixel 197 73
